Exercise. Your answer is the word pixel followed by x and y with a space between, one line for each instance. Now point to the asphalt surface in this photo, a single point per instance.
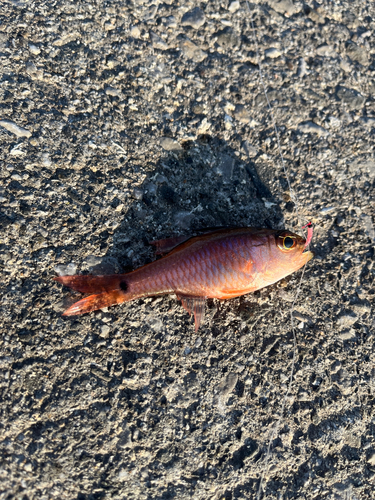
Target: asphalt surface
pixel 127 122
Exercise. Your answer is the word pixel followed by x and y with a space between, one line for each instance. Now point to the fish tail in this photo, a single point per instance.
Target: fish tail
pixel 94 284
pixel 107 290
pixel 98 301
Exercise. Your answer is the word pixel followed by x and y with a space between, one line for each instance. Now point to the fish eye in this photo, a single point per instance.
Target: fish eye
pixel 288 242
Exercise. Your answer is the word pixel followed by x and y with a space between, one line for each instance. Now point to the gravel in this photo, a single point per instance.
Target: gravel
pixel 128 122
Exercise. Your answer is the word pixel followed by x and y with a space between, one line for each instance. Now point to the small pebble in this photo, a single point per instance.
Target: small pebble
pixel 138 194
pixel 302 68
pixel 150 188
pixel 150 13
pixel 360 166
pixel 272 53
pixel 357 53
pixel 312 128
pixel 228 122
pixel 66 270
pixel 15 129
pixel 362 308
pixel 46 160
pixel 104 331
pixel 327 210
pixel 198 109
pixel 156 324
pixel 225 168
pixel 33 71
pixel 66 38
pixel 351 97
pixel 16 151
pixel 183 219
pixel 227 385
pixel 227 39
pixel 198 342
pixel 368 122
pixel 234 6
pixel 190 50
pixel 346 319
pixel 204 126
pixel 135 32
pixel 242 114
pixel 302 317
pixel 369 226
pixel 326 51
pixel 123 475
pixel 169 144
pixel 157 42
pixel 226 22
pixel 283 6
pixel 249 149
pixel 92 260
pixel 35 51
pixel 349 335
pixel 170 22
pixel 371 459
pixel 160 179
pixel 113 92
pixel 346 66
pixel 194 18
pixel 333 122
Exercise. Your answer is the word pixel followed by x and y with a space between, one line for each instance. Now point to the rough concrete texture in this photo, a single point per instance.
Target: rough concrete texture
pixel 126 122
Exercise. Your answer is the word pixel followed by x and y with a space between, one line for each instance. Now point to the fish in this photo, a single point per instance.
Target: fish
pixel 220 264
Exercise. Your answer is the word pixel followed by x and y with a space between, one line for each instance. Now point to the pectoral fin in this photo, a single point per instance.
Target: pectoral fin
pixel 194 305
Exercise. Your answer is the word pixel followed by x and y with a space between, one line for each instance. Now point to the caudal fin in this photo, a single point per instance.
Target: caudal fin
pixel 93 284
pixel 94 302
pixel 108 290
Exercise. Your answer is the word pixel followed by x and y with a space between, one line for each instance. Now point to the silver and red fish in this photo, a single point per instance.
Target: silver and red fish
pixel 221 264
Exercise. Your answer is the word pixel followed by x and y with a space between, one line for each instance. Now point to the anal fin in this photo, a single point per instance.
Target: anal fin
pixel 194 305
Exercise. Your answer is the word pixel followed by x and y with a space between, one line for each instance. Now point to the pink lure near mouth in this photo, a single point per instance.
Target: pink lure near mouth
pixel 309 233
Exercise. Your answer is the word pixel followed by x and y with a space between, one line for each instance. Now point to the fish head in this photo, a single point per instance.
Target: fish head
pixel 289 252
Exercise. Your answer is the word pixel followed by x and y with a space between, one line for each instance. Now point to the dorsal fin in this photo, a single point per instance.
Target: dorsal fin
pixel 175 243
pixel 168 244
